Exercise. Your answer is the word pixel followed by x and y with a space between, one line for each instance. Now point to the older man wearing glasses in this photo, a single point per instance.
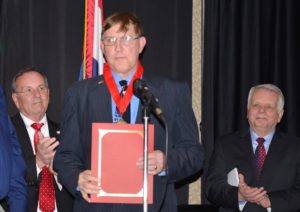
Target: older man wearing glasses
pixel 38 136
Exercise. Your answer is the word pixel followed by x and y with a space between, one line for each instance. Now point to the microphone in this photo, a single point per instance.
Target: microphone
pixel 141 90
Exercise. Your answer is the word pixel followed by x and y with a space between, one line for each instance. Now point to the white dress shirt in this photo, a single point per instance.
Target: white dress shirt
pixel 45 131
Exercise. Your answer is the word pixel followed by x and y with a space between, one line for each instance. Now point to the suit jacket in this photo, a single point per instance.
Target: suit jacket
pixel 64 199
pixel 12 165
pixel 280 175
pixel 89 101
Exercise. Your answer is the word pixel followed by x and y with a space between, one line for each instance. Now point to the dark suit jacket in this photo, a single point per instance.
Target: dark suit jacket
pixel 64 199
pixel 12 165
pixel 89 101
pixel 280 175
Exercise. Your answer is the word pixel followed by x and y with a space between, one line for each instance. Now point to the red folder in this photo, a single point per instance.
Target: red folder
pixel 115 151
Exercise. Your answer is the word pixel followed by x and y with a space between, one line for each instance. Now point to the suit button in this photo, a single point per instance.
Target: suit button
pixel 30 183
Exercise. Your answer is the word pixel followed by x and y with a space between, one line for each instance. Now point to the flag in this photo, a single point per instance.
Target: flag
pixel 92 64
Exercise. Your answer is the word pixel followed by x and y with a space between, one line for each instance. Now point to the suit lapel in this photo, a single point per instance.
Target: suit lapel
pixel 53 129
pixel 277 147
pixel 248 155
pixel 100 101
pixel 23 136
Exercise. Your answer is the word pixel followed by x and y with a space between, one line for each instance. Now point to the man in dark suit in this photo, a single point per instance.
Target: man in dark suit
pixel 95 100
pixel 12 165
pixel 31 97
pixel 268 161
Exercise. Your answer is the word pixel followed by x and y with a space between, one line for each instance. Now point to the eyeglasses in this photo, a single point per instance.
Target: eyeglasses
pixel 29 91
pixel 266 108
pixel 125 40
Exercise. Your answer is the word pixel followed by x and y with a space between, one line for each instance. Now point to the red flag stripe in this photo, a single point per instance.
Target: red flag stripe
pixel 90 38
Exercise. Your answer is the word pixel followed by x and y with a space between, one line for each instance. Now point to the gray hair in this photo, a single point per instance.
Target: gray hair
pixel 269 87
pixel 23 71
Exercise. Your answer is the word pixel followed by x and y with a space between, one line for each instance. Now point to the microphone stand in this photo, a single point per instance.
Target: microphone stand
pixel 145 182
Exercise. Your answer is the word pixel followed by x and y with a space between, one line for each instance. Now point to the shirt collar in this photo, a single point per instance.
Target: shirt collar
pixel 268 137
pixel 117 78
pixel 28 122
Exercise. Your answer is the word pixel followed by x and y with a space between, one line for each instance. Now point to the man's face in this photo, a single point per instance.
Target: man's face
pixel 32 104
pixel 123 58
pixel 263 113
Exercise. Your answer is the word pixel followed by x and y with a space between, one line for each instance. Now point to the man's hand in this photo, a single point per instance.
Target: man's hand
pixel 156 162
pixel 88 184
pixel 250 194
pixel 45 150
pixel 265 202
pixel 51 168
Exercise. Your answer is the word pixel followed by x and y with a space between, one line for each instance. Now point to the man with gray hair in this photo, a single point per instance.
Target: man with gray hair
pixel 268 161
pixel 38 137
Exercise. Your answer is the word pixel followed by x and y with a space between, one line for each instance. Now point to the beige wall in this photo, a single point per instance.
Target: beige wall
pixel 194 188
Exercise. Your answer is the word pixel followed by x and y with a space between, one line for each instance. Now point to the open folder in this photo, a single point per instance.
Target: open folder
pixel 115 151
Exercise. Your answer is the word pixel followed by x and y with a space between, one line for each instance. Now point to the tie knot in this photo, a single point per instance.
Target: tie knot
pixel 260 140
pixel 37 126
pixel 123 83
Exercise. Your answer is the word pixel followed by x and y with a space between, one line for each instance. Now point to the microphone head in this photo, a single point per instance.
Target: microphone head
pixel 138 87
pixel 141 90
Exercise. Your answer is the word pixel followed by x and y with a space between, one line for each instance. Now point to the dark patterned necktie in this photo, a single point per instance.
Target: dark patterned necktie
pixel 46 187
pixel 126 115
pixel 260 156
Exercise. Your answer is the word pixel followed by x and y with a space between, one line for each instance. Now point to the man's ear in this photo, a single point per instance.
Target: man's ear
pixel 280 115
pixel 143 42
pixel 15 99
pixel 102 46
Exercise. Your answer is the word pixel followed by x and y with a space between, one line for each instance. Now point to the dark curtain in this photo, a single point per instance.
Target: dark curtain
pixel 48 35
pixel 247 43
